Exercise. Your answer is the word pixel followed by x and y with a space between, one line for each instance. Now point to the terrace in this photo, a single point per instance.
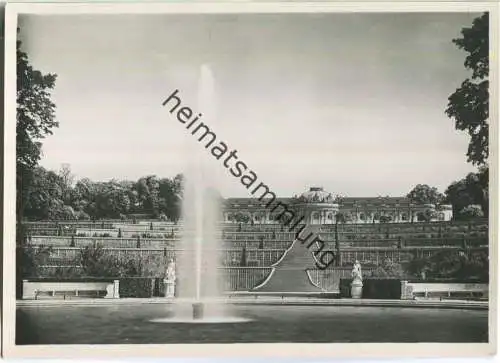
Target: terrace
pixel 248 253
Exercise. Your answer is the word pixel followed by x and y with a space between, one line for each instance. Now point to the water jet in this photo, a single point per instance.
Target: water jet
pixel 198 256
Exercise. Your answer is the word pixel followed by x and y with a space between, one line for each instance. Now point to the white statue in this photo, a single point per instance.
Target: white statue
pixel 169 279
pixel 356 272
pixel 357 281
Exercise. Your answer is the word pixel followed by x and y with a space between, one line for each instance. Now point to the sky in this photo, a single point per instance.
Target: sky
pixel 350 102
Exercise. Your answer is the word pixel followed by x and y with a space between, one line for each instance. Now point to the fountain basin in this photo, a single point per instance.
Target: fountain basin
pixel 139 323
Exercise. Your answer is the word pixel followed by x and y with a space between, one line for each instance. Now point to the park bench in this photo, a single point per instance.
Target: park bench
pixel 35 290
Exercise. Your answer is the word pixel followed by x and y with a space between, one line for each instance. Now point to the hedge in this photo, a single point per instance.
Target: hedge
pixel 137 287
pixel 374 288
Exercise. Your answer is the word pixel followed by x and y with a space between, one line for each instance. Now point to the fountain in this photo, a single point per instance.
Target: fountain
pixel 198 253
pixel 199 280
pixel 199 246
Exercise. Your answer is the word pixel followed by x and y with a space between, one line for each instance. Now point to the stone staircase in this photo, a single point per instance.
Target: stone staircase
pixel 289 274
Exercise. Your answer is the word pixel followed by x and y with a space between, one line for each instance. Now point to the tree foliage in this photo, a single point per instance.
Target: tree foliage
pixel 35 119
pixel 471 211
pixel 35 110
pixel 96 262
pixel 471 190
pixel 53 196
pixel 468 105
pixel 424 194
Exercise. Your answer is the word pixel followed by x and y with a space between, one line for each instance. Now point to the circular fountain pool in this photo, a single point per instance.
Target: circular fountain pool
pixel 140 324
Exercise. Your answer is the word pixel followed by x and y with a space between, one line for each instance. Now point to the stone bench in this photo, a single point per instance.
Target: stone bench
pixel 417 290
pixel 34 290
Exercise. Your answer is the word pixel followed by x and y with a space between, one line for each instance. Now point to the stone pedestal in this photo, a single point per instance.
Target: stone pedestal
pixel 406 291
pixel 112 290
pixel 356 289
pixel 169 288
pixel 197 311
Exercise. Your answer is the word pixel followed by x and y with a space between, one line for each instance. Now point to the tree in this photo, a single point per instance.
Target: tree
pixel 469 104
pixel 424 194
pixel 44 196
pixel 241 217
pixel 35 119
pixel 66 178
pixel 148 190
pixel 473 189
pixel 170 197
pixel 243 261
pixel 35 110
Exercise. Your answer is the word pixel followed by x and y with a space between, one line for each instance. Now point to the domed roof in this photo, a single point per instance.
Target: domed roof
pixel 316 195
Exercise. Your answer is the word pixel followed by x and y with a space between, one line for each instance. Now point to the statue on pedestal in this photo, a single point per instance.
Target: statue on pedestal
pixel 357 281
pixel 169 279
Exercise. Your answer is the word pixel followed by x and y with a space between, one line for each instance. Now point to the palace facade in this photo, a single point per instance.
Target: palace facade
pixel 318 206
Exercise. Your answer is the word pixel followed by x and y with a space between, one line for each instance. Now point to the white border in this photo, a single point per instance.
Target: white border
pixel 358 350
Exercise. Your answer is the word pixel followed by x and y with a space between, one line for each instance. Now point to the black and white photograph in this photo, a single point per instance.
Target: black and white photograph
pixel 253 174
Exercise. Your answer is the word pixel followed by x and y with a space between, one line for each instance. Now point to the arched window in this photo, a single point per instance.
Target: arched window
pixel 315 217
pixel 441 216
pixel 362 216
pixel 329 216
pixel 404 217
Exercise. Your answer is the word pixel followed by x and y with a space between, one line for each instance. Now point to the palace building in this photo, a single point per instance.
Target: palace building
pixel 318 206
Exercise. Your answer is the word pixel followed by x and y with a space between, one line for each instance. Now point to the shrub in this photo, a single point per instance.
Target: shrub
pixel 471 211
pixel 389 269
pixel 29 258
pixel 65 273
pixel 385 219
pixel 451 265
pixel 95 262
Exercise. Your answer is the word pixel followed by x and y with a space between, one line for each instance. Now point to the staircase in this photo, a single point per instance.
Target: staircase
pixel 289 273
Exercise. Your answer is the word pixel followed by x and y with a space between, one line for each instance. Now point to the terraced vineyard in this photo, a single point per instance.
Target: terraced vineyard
pixel 247 251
